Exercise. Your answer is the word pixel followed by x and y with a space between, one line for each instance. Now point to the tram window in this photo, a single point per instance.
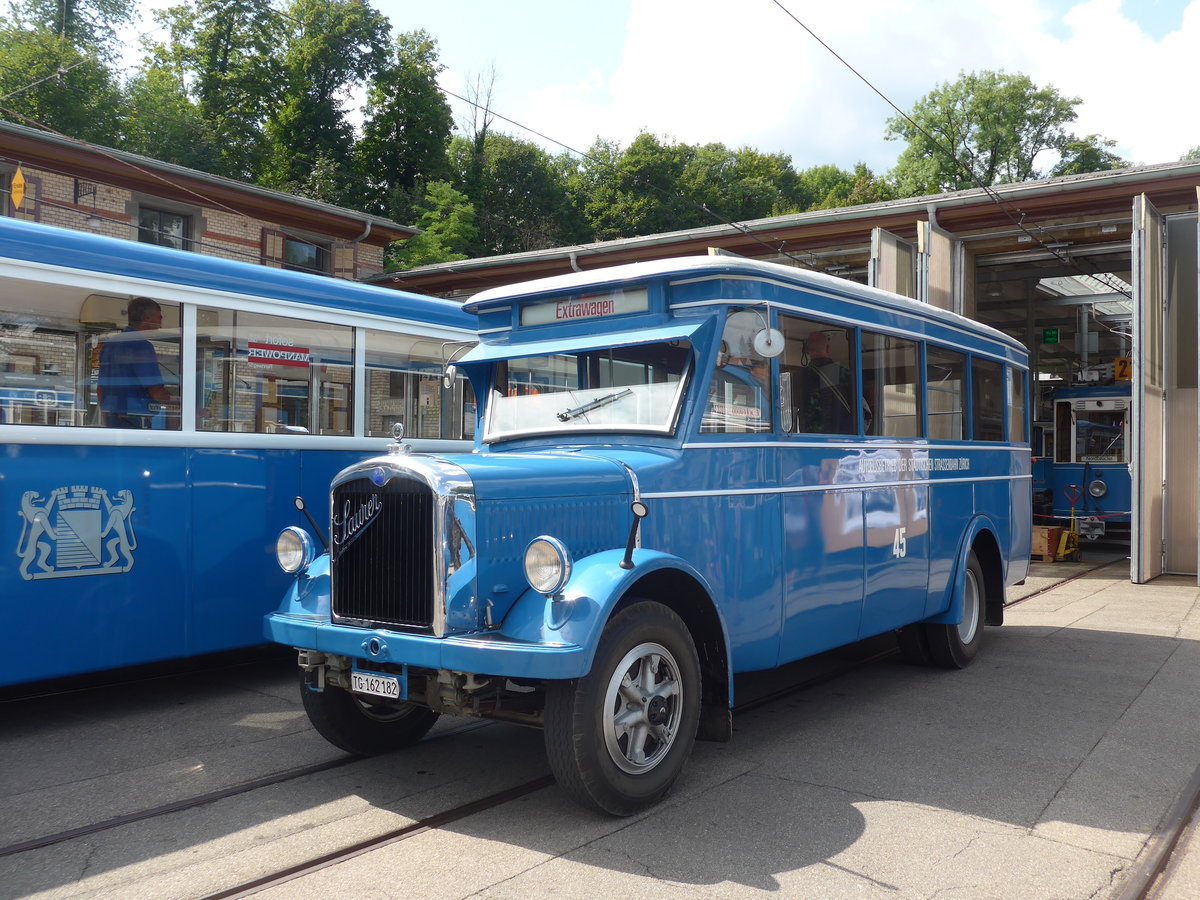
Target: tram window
pixel 987 399
pixel 946 378
pixel 739 396
pixel 892 386
pixel 1062 431
pixel 819 359
pixel 404 385
pixel 1016 404
pixel 260 374
pixel 51 361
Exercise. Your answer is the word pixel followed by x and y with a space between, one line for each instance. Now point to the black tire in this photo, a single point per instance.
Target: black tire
pixel 954 646
pixel 620 767
pixel 358 725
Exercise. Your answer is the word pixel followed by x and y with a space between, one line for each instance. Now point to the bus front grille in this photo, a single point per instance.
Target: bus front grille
pixel 382 570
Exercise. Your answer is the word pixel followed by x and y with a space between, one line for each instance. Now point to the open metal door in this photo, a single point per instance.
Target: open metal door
pixel 892 266
pixel 939 261
pixel 1147 468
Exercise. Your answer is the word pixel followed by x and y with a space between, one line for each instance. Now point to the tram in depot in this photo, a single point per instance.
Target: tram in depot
pixel 683 470
pixel 159 413
pixel 1081 475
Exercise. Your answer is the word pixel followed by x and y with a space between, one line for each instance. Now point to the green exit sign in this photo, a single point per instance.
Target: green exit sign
pixel 1049 335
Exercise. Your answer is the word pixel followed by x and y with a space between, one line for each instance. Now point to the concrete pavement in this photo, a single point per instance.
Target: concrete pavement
pixel 1053 767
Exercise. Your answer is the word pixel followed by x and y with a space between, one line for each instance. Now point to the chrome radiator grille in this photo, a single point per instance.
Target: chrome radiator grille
pixel 383 574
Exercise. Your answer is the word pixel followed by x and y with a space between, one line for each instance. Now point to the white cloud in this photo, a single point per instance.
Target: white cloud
pixel 704 70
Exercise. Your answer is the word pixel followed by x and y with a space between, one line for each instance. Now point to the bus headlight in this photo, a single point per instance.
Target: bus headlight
pixel 293 549
pixel 547 565
pixel 1098 488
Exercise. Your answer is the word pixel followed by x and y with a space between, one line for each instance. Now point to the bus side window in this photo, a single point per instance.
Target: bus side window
pixel 739 395
pixel 819 357
pixel 892 372
pixel 987 399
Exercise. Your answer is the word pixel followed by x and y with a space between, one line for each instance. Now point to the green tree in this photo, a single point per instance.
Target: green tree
pixel 1194 153
pixel 637 190
pixel 736 185
pixel 518 191
pixel 985 128
pixel 87 25
pixel 162 121
pixel 829 187
pixel 46 80
pixel 406 129
pixel 225 52
pixel 447 222
pixel 330 48
pixel 1090 154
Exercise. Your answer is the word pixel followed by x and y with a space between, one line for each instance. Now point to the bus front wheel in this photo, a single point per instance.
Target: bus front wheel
pixel 359 725
pixel 619 737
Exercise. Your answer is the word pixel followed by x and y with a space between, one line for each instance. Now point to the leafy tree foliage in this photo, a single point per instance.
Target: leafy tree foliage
pixel 407 127
pixel 46 79
pixel 1194 153
pixel 87 25
pixel 329 48
pixel 520 195
pixel 447 222
pixel 162 121
pixel 985 128
pixel 1090 154
pixel 224 53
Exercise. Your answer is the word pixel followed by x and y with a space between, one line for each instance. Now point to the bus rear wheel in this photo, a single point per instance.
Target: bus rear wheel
pixel 619 737
pixel 954 646
pixel 362 726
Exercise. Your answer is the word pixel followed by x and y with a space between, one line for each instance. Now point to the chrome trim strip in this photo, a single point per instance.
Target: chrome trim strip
pixel 815 488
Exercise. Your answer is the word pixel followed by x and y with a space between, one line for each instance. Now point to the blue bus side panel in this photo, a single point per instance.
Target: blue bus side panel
pixel 93 546
pixel 897 562
pixel 951 508
pixel 735 536
pixel 127 555
pixel 823 554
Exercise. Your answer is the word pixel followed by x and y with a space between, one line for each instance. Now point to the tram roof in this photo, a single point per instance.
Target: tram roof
pixel 679 269
pixel 46 245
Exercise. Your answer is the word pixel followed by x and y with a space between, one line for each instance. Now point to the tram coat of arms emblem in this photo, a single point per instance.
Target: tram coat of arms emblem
pixel 76 530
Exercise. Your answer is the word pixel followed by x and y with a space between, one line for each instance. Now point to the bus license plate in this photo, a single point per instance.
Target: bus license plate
pixel 375 685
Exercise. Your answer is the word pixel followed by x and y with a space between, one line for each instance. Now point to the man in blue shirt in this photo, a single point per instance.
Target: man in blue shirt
pixel 130 380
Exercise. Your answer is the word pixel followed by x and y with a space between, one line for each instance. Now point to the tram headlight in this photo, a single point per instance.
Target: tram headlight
pixel 293 549
pixel 547 565
pixel 1098 488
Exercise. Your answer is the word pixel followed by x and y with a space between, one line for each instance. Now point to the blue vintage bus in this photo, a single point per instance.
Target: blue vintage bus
pixel 683 470
pixel 1086 459
pixel 159 413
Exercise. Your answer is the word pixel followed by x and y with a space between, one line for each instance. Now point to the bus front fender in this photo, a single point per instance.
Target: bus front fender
pixel 578 614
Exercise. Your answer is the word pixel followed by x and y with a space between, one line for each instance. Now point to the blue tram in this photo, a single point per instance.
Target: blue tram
pixel 160 411
pixel 1085 461
pixel 683 470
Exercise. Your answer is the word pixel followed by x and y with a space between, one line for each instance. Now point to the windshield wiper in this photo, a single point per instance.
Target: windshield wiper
pixel 595 404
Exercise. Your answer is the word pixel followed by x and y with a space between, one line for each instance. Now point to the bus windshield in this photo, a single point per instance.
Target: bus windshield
pixel 634 388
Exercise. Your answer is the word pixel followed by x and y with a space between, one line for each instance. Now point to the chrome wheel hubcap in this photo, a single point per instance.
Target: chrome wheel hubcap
pixel 643 704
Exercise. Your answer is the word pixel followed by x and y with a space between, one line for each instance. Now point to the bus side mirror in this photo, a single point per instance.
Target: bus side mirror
pixel 768 343
pixel 449 375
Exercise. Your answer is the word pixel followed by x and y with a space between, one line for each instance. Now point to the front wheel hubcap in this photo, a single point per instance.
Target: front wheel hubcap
pixel 643 706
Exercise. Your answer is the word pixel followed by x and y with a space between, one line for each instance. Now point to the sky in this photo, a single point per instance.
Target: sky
pixel 748 74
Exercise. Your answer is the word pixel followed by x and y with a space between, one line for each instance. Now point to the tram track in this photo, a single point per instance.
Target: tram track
pixel 210 797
